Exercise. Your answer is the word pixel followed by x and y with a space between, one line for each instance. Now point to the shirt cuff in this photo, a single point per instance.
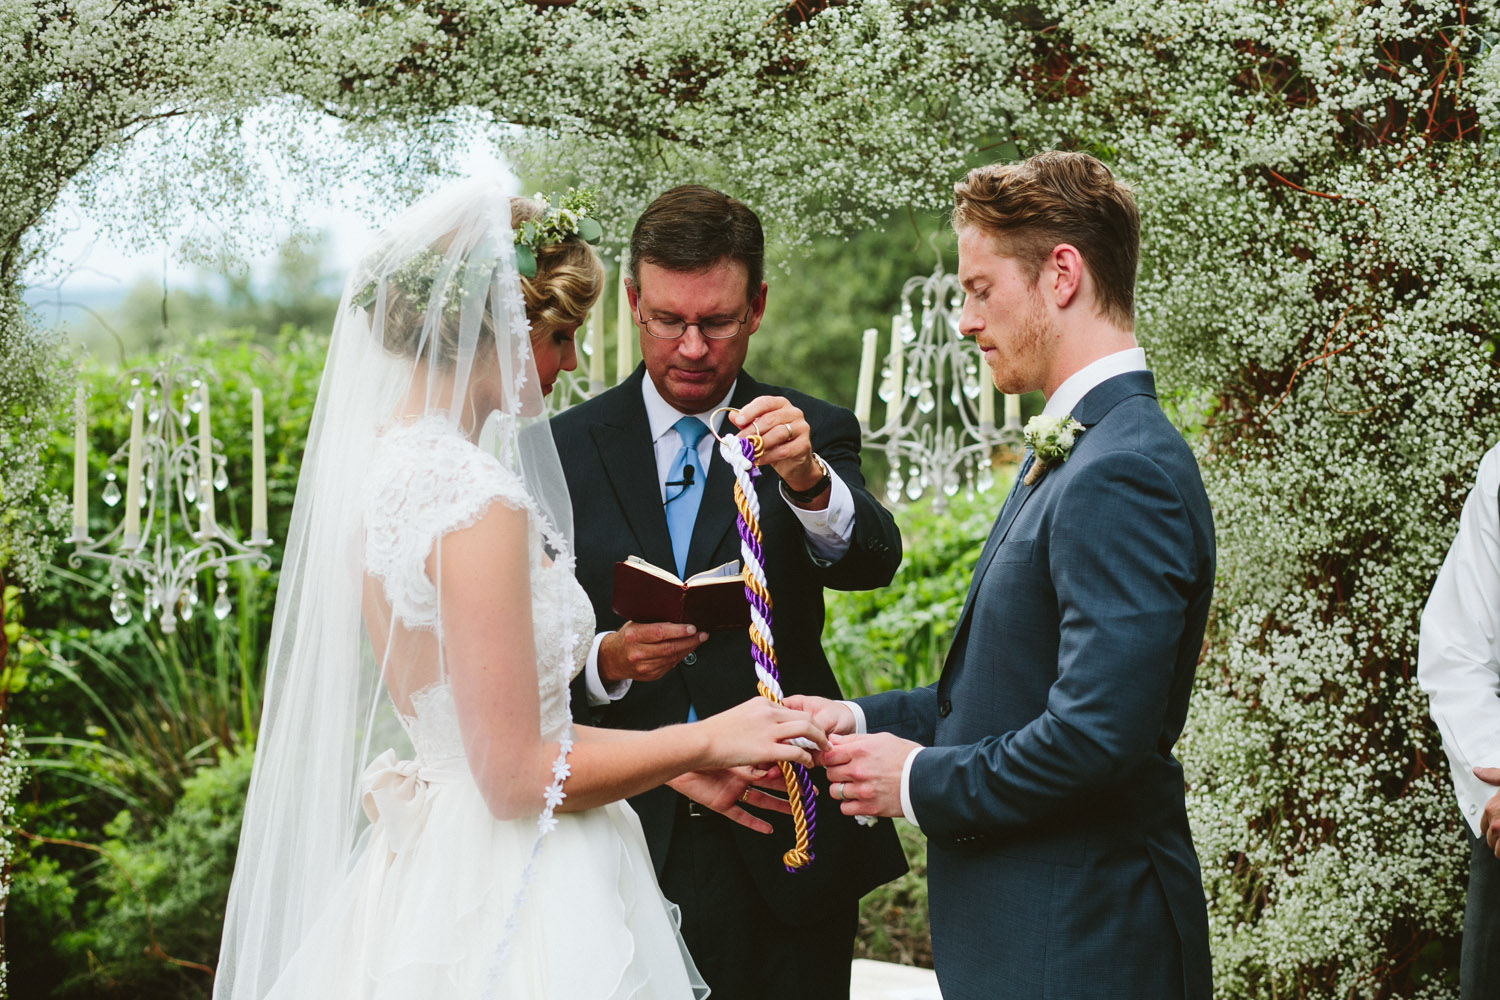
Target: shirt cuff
pixel 594 684
pixel 859 717
pixel 906 809
pixel 829 531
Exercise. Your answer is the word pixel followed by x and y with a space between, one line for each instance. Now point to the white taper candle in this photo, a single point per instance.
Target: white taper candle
pixel 133 474
pixel 257 468
pixel 866 390
pixel 80 468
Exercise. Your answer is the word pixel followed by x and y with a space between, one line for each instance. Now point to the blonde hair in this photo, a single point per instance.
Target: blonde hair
pixel 1059 197
pixel 569 280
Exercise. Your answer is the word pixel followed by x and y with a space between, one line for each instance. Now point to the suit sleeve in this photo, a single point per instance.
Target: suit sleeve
pixel 911 715
pixel 1123 597
pixel 875 548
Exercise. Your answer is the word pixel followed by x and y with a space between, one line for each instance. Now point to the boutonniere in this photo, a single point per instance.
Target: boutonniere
pixel 1050 440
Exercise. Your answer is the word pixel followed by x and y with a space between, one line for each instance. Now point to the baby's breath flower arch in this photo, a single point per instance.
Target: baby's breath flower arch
pixel 1319 182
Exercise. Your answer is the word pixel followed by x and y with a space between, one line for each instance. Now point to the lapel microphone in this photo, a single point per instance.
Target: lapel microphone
pixel 686 482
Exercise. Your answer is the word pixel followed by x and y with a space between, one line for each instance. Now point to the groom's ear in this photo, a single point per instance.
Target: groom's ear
pixel 1063 276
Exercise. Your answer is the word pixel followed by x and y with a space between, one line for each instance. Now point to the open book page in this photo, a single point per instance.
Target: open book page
pixel 729 569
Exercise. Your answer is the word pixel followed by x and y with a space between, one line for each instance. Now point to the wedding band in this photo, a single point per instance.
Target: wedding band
pixel 837 791
pixel 789 433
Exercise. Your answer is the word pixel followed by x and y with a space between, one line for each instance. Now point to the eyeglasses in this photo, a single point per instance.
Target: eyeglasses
pixel 718 328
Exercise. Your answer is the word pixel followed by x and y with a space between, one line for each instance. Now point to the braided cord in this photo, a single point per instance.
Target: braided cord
pixel 740 453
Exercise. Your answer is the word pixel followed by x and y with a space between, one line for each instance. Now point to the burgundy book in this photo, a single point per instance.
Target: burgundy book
pixel 713 600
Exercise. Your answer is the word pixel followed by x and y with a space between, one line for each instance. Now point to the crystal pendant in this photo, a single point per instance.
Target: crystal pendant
pixel 914 486
pixel 925 401
pixel 950 484
pixel 154 413
pixel 119 608
pixel 195 398
pixel 221 603
pixel 221 478
pixel 893 487
pixel 185 417
pixel 111 491
pixel 190 491
pixel 985 480
pixel 150 485
pixel 185 608
pixel 953 395
pixel 887 386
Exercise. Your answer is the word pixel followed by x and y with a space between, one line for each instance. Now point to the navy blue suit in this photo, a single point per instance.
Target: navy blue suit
pixel 1060 862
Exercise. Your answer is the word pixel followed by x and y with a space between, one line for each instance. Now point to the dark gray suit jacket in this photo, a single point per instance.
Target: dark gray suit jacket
pixel 1059 856
pixel 610 465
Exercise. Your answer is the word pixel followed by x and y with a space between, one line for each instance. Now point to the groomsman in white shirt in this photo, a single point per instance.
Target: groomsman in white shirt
pixel 1458 665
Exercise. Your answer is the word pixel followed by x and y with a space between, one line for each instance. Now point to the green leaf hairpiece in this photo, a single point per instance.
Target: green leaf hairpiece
pixel 573 215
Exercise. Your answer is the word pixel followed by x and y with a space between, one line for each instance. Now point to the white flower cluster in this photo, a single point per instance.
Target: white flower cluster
pixel 12 773
pixel 1320 284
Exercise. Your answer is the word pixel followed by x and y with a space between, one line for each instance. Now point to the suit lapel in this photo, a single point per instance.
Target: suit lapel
pixel 1091 409
pixel 623 438
pixel 717 513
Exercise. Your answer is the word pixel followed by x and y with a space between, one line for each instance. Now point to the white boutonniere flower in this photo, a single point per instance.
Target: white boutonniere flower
pixel 1050 440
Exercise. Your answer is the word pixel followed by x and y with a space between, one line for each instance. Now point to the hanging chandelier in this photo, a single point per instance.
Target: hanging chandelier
pixel 168 534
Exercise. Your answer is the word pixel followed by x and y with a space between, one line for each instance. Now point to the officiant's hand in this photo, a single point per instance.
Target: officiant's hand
pixel 728 790
pixel 828 715
pixel 864 772
pixel 786 442
pixel 1489 820
pixel 644 651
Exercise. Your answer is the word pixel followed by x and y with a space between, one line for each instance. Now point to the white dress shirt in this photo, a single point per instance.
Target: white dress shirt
pixel 1060 403
pixel 828 531
pixel 1458 654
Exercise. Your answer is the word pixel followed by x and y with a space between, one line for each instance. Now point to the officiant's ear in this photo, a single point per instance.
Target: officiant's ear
pixel 1064 275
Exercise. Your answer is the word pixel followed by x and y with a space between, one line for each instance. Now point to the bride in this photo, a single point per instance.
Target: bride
pixel 423 819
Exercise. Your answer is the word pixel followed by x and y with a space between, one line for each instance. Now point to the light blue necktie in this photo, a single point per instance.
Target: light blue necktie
pixel 683 501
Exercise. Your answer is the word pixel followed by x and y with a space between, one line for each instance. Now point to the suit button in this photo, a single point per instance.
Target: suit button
pixel 690 659
pixel 944 707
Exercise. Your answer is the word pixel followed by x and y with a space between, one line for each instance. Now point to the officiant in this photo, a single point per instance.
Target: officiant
pixel 646 480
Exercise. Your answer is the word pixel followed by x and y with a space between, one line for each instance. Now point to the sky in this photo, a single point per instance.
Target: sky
pixel 92 266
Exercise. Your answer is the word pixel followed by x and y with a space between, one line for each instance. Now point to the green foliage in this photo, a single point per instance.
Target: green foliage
pixel 893 921
pixel 819 306
pixel 34 380
pixel 880 640
pixel 155 897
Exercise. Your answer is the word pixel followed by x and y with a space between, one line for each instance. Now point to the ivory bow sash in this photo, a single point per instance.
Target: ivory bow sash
pixel 396 794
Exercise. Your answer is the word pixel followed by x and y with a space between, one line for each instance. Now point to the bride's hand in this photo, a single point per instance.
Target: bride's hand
pixel 727 790
pixel 757 732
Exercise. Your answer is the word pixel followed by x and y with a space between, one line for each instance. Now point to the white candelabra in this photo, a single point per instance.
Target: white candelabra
pixel 940 431
pixel 172 474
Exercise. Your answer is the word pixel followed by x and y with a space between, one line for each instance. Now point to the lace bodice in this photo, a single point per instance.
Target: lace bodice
pixel 428 481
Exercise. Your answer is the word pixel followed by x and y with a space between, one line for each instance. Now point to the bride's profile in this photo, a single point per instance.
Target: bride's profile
pixel 423 818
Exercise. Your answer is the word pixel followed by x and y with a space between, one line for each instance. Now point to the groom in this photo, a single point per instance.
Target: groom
pixel 645 479
pixel 1039 766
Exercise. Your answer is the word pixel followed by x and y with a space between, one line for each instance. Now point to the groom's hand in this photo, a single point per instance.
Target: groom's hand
pixel 644 651
pixel 864 772
pixel 828 715
pixel 1489 820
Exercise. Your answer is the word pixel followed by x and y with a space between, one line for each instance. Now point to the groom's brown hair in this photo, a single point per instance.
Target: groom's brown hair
pixel 1058 197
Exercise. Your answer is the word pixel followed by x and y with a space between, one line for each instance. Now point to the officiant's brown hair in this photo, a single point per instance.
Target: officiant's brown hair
pixel 1059 197
pixel 691 228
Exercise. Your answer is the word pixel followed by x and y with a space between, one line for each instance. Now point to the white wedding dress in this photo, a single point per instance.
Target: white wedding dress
pixel 437 885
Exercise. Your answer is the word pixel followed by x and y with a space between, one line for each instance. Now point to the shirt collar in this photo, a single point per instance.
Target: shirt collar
pixel 662 415
pixel 1081 382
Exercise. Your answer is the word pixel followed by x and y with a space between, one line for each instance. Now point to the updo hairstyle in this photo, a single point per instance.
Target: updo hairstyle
pixel 569 280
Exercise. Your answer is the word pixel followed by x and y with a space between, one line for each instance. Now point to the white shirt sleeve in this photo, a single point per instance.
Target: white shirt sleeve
pixel 1458 655
pixel 594 684
pixel 829 531
pixel 859 717
pixel 906 809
